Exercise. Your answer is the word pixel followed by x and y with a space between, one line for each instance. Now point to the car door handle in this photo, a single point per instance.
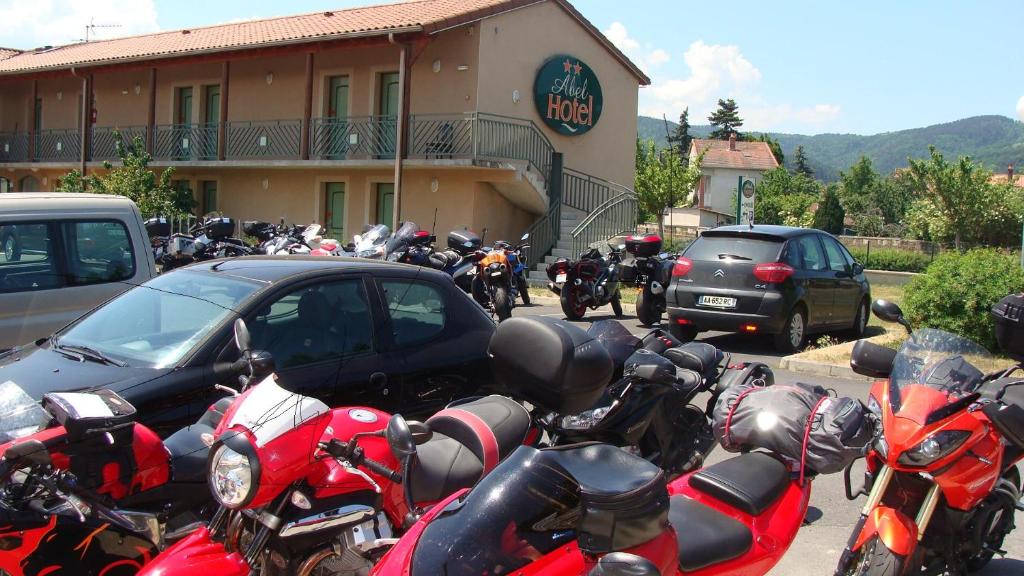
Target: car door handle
pixel 378 379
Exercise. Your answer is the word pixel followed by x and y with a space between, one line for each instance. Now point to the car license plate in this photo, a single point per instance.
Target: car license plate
pixel 560 277
pixel 717 301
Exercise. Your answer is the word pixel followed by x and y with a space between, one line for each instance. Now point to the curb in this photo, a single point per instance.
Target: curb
pixel 548 300
pixel 794 364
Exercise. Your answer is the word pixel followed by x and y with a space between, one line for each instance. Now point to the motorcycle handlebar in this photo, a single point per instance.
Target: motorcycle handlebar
pixel 382 470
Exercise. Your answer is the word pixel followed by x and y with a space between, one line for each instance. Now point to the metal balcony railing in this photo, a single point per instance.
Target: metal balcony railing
pixel 185 142
pixel 57 146
pixel 104 140
pixel 478 135
pixel 13 147
pixel 353 138
pixel 267 139
pixel 586 192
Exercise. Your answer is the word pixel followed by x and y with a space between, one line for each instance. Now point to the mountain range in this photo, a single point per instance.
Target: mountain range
pixel 995 141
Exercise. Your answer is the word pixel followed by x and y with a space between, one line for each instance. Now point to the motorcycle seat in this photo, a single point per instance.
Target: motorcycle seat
pixel 468 441
pixel 700 357
pixel 750 482
pixel 705 535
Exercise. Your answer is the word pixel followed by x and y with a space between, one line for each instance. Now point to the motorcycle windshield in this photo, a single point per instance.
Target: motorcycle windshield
pixel 526 508
pixel 375 236
pixel 20 415
pixel 934 369
pixel 619 341
pixel 402 237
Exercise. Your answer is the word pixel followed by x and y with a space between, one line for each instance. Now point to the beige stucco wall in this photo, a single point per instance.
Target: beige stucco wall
pixel 514 45
pixel 113 106
pixel 14 106
pixel 60 102
pixel 720 191
pixel 251 98
pixel 448 90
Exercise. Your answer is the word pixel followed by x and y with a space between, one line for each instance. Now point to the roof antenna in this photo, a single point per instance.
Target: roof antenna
pixel 91 27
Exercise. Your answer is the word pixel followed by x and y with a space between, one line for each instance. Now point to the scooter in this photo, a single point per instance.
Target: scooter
pixel 305 489
pixel 942 483
pixel 589 282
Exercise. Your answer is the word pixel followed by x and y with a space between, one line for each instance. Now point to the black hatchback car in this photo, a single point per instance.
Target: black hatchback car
pixel 350 332
pixel 777 280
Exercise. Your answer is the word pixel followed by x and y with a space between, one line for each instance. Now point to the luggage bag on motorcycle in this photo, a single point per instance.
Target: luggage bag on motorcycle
pixel 219 228
pixel 801 422
pixel 464 241
pixel 157 227
pixel 643 246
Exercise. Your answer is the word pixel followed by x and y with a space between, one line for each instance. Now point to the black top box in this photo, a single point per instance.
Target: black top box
pixel 644 246
pixel 464 241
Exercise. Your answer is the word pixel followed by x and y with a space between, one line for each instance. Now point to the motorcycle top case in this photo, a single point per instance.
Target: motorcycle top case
pixel 157 227
pixel 1008 316
pixel 644 246
pixel 779 418
pixel 550 363
pixel 464 241
pixel 217 228
pixel 91 413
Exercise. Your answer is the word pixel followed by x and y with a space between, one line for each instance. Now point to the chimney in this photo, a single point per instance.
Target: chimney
pixel 732 141
pixel 1009 173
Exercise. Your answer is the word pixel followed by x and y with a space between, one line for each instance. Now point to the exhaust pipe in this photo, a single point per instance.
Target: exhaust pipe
pixel 657 288
pixel 554 288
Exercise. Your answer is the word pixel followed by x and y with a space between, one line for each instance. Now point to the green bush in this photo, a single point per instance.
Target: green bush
pixel 957 291
pixel 891 259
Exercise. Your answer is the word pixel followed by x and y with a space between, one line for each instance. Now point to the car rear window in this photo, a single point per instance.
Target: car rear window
pixel 733 247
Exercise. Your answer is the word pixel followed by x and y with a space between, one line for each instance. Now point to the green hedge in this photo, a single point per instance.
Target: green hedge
pixel 958 290
pixel 892 259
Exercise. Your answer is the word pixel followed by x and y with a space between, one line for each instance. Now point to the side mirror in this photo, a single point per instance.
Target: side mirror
pixel 624 564
pixel 421 433
pixel 31 452
pixel 400 438
pixel 889 312
pixel 858 268
pixel 261 365
pixel 242 340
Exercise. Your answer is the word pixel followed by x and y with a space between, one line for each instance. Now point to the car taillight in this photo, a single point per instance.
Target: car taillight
pixel 681 267
pixel 773 272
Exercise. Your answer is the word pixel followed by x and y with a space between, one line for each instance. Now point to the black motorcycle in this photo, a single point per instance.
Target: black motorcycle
pixel 590 282
pixel 210 238
pixel 564 373
pixel 650 271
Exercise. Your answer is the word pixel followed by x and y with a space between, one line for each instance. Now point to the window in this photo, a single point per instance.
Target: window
pixel 27 258
pixel 315 323
pixel 417 311
pixel 98 252
pixel 809 253
pixel 714 248
pixel 836 259
pixel 209 188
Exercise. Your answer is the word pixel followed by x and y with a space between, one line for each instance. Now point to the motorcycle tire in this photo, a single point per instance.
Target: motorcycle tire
pixel 646 309
pixel 570 307
pixel 617 305
pixel 502 303
pixel 523 287
pixel 876 560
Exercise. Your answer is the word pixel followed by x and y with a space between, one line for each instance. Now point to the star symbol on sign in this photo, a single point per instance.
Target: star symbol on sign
pixel 567 65
pixel 577 68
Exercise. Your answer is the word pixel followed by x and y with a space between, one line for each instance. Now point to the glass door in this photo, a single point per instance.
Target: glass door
pixel 336 123
pixel 182 131
pixel 387 110
pixel 386 204
pixel 334 211
pixel 208 136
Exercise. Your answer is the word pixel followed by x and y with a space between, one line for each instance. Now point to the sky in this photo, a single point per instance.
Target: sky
pixel 799 66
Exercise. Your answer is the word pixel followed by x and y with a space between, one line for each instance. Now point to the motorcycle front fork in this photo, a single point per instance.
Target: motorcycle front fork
pixel 882 480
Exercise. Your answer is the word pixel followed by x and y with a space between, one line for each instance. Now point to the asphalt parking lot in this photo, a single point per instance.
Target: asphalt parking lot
pixel 831 517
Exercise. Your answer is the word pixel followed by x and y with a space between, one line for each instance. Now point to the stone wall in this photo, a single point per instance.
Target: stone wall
pixel 863 242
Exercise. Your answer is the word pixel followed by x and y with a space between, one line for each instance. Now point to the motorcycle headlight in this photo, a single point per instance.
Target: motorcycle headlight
pixel 233 473
pixel 934 447
pixel 584 420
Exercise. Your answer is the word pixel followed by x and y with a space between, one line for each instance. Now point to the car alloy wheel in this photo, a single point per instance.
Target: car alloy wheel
pixel 9 249
pixel 796 330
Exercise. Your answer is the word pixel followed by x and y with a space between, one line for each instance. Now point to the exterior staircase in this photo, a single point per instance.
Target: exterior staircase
pixel 570 218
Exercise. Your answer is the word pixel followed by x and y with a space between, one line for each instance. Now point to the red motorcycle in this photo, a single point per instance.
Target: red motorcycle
pixel 942 484
pixel 591 508
pixel 305 489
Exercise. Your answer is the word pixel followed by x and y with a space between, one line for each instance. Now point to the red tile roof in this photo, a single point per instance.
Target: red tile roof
pixel 1018 179
pixel 748 155
pixel 422 16
pixel 6 53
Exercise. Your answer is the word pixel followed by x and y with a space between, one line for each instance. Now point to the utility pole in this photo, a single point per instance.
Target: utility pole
pixel 671 183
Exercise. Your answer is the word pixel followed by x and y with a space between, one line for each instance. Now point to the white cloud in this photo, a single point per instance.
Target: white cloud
pixel 620 37
pixel 30 24
pixel 647 57
pixel 722 71
pixel 1020 108
pixel 658 56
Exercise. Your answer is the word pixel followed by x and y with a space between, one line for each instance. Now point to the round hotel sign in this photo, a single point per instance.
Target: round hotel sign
pixel 568 95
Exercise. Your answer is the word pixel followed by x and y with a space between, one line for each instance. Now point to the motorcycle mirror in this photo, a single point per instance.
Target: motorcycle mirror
pixel 421 433
pixel 624 564
pixel 242 339
pixel 525 236
pixel 31 452
pixel 890 312
pixel 400 438
pixel 261 365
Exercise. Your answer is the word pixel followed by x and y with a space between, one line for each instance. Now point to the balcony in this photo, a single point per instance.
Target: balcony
pixel 470 136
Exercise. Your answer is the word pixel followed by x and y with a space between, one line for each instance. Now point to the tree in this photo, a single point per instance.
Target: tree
pixel 800 165
pixel 859 187
pixel 958 191
pixel 662 181
pixel 153 194
pixel 786 199
pixel 725 120
pixel 829 216
pixel 680 137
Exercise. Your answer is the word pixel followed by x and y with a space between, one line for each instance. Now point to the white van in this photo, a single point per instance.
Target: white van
pixel 61 255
